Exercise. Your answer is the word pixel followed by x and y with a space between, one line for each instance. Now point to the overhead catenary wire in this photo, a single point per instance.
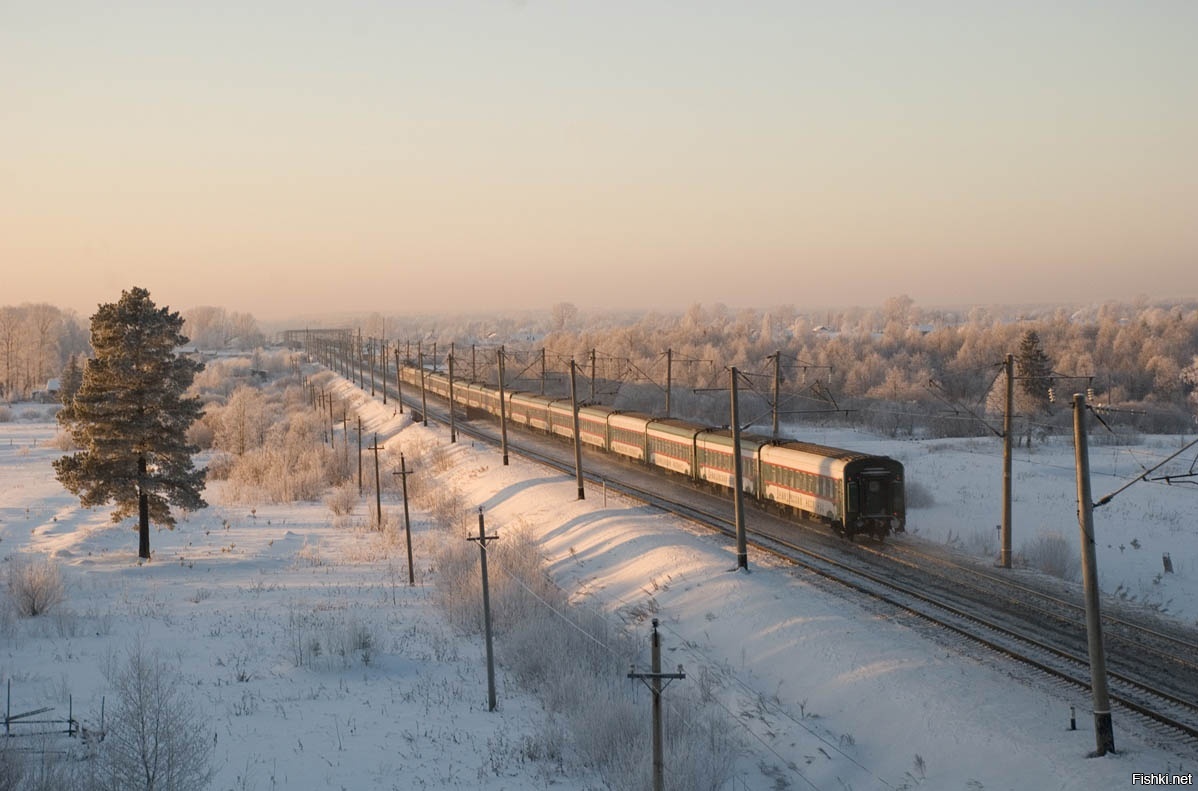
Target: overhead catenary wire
pixel 1144 475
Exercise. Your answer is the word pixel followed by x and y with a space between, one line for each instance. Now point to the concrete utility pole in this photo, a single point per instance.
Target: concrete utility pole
pixel 653 680
pixel 423 396
pixel 542 370
pixel 592 377
pixel 502 409
pixel 407 524
pixel 378 497
pixel 1004 558
pixel 738 496
pixel 482 540
pixel 398 379
pixel 453 427
pixel 777 387
pixel 582 495
pixel 669 378
pixel 1104 732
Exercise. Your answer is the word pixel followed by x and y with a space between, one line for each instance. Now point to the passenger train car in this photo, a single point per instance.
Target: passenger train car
pixel 855 493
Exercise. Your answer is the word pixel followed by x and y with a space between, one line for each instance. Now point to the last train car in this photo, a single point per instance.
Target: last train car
pixel 853 492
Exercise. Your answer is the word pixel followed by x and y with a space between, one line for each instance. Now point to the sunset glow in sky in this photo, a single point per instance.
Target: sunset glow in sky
pixel 297 157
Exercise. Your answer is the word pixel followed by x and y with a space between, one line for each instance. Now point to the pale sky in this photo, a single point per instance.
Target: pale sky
pixel 295 157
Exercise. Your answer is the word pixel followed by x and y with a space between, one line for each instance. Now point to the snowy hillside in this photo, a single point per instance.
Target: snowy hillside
pixel 314 665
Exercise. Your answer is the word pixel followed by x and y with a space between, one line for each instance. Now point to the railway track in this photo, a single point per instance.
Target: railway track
pixel 1043 631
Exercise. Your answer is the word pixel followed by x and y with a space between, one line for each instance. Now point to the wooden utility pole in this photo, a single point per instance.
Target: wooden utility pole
pixel 738 496
pixel 398 379
pixel 423 395
pixel 345 435
pixel 361 351
pixel 482 540
pixel 1004 557
pixel 473 363
pixel 582 495
pixel 359 455
pixel 453 427
pixel 542 370
pixel 370 356
pixel 1104 732
pixel 383 376
pixel 653 680
pixel 407 524
pixel 378 497
pixel 502 409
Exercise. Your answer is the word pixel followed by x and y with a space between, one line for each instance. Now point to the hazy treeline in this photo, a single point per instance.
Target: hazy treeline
pixel 897 367
pixel 38 340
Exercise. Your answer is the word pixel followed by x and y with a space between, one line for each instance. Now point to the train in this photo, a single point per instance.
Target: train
pixel 856 494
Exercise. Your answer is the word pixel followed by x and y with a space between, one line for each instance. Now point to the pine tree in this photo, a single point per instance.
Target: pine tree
pixel 1034 379
pixel 130 416
pixel 72 380
pixel 1035 369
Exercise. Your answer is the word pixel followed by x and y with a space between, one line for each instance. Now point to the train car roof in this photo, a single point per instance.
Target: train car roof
pixel 674 426
pixel 826 450
pixel 600 408
pixel 631 417
pixel 523 396
pixel 723 436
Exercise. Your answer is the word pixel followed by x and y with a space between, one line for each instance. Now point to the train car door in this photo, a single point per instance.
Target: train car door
pixel 875 495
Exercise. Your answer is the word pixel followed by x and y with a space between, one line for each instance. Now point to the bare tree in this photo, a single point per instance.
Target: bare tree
pixel 563 315
pixel 158 738
pixel 242 423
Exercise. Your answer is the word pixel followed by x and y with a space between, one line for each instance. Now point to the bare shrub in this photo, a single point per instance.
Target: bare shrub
pixel 281 474
pixel 35 586
pixel 5 414
pixel 983 542
pixel 326 640
pixel 220 466
pixel 342 499
pixel 63 441
pixel 201 435
pixel 918 495
pixel 1051 553
pixel 158 736
pixel 39 767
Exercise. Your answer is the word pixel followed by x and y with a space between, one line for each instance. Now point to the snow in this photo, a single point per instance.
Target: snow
pixel 829 692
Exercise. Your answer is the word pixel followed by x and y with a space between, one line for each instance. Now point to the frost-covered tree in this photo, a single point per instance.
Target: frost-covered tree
pixel 157 738
pixel 131 415
pixel 563 315
pixel 242 424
